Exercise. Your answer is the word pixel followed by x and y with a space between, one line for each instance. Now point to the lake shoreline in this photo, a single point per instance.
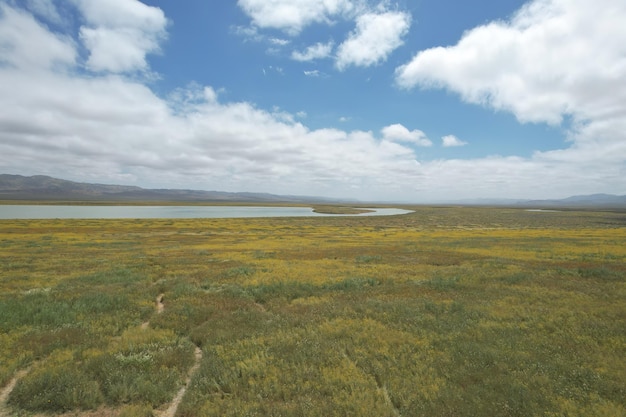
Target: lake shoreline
pixel 33 212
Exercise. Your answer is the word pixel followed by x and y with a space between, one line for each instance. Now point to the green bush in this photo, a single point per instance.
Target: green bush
pixel 137 410
pixel 443 284
pixel 56 389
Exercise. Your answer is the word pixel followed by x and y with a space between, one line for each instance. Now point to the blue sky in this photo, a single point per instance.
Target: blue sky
pixel 416 101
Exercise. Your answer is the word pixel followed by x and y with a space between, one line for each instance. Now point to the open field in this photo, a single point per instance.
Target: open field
pixel 443 312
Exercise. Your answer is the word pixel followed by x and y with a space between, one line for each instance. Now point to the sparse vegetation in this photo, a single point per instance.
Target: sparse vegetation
pixel 335 209
pixel 442 312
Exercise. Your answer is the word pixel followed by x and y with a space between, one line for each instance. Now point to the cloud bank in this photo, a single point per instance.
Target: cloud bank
pixel 103 126
pixel 77 110
pixel 555 59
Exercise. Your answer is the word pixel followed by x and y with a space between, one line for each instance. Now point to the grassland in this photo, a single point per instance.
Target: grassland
pixel 334 209
pixel 442 312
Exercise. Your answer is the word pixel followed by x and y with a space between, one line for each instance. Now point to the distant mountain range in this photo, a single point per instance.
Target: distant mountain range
pixel 41 187
pixel 578 201
pixel 592 200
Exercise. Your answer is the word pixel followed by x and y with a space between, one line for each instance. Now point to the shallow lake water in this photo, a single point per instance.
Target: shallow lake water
pixel 167 212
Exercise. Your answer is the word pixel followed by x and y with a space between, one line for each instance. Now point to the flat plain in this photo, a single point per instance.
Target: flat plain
pixel 447 311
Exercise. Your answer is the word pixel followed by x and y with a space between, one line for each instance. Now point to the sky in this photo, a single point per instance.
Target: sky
pixel 408 101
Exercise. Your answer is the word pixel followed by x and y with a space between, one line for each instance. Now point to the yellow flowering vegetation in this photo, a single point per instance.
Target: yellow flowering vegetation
pixel 442 312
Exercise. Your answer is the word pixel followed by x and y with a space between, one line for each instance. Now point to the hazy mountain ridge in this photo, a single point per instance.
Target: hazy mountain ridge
pixel 41 187
pixel 592 200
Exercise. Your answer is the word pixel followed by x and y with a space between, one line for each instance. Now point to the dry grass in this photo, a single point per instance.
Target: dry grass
pixel 447 311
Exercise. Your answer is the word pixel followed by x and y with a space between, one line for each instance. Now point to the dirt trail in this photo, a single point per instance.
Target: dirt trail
pixel 159 309
pixel 173 407
pixel 6 391
pixel 170 411
pixel 160 305
pixel 381 387
pixel 389 402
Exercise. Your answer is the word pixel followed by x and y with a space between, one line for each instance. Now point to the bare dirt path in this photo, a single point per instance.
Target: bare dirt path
pixel 6 391
pixel 159 302
pixel 381 387
pixel 173 407
pixel 170 411
pixel 159 309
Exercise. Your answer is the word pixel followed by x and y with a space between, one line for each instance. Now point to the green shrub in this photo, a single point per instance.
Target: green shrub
pixel 602 273
pixel 281 290
pixel 41 309
pixel 443 284
pixel 353 283
pixel 367 259
pixel 516 278
pixel 56 389
pixel 137 410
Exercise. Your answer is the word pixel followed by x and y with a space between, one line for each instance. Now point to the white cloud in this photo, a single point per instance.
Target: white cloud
pixel 375 37
pixel 313 73
pixel 291 16
pixel 313 52
pixel 116 50
pixel 272 69
pixel 45 9
pixel 120 33
pixel 279 41
pixel 377 34
pixel 109 128
pixel 399 133
pixel 105 128
pixel 555 57
pixel 250 33
pixel 25 44
pixel 451 141
pixel 123 14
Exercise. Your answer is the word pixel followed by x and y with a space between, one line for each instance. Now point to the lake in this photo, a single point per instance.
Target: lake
pixel 167 212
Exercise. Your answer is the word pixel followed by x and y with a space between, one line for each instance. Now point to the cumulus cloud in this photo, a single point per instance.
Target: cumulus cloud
pixel 108 128
pixel 555 57
pixel 291 16
pixel 45 9
pixel 399 133
pixel 25 44
pixel 378 31
pixel 120 33
pixel 451 141
pixel 313 52
pixel 375 37
pixel 103 127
